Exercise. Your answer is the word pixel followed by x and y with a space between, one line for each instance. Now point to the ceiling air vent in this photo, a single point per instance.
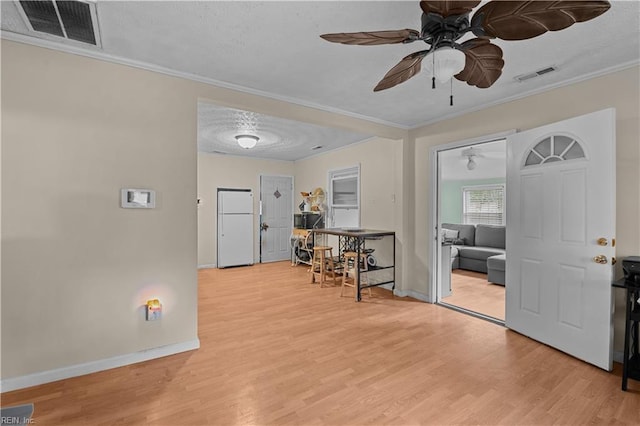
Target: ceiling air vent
pixel 73 20
pixel 529 76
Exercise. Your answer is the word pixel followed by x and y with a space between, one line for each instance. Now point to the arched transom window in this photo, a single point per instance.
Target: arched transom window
pixel 554 148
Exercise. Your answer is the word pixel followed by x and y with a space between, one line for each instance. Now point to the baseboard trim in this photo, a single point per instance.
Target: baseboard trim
pixel 207 266
pixel 412 293
pixel 618 356
pixel 40 378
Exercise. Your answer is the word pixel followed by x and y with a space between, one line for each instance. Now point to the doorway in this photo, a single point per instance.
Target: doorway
pixel 276 217
pixel 561 203
pixel 471 186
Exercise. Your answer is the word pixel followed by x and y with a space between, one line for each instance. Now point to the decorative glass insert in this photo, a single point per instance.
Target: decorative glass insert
pixel 554 148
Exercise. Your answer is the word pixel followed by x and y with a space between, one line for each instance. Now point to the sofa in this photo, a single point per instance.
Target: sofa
pixel 479 248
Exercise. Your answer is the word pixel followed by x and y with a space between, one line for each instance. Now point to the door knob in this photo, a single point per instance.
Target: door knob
pixel 602 241
pixel 601 259
pixel 264 226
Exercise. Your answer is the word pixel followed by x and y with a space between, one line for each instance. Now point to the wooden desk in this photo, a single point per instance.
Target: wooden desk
pixel 351 239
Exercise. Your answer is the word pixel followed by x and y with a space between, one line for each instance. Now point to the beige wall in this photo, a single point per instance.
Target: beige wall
pixel 620 90
pixel 76 130
pixel 74 135
pixel 76 268
pixel 378 159
pixel 223 171
pixel 380 163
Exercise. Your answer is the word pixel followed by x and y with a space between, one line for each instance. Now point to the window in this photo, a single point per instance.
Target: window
pixel 344 197
pixel 483 205
pixel 554 148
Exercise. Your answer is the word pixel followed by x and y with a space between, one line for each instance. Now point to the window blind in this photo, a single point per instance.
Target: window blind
pixel 483 205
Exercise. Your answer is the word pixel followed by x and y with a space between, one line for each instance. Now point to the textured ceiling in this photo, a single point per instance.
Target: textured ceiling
pixel 280 139
pixel 273 48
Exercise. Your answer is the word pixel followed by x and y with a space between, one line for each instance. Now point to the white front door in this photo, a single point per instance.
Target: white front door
pixel 276 219
pixel 560 218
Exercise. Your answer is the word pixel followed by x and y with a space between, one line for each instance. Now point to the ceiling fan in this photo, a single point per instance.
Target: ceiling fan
pixel 476 61
pixel 471 154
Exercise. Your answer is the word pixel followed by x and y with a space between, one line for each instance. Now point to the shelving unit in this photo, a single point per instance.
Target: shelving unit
pixel 631 357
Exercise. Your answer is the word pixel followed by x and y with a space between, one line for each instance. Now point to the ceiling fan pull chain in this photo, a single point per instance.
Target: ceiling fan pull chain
pixel 451 93
pixel 433 70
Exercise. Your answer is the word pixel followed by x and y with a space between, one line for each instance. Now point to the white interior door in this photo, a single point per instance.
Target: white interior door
pixel 276 194
pixel 560 216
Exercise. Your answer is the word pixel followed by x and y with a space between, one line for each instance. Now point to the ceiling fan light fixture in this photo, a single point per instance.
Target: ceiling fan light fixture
pixel 247 141
pixel 471 164
pixel 447 62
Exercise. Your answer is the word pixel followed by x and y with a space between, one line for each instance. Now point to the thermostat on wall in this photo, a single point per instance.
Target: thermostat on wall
pixel 137 198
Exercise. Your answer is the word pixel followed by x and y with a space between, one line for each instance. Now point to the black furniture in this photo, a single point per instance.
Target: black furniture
pixel 631 360
pixel 351 239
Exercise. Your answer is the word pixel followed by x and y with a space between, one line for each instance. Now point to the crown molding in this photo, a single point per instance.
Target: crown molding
pixel 102 56
pixel 539 90
pixel 99 55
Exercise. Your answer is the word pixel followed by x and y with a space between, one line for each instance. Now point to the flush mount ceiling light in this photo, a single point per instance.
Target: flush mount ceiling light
pixel 247 141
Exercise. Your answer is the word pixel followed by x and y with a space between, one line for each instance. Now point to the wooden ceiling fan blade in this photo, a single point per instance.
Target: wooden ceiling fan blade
pixel 446 8
pixel 483 65
pixel 520 20
pixel 373 37
pixel 405 69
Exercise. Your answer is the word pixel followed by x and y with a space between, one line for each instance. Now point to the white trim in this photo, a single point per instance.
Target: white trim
pixel 412 293
pixel 618 356
pixel 207 266
pixel 35 379
pixel 434 198
pixel 20 38
pixel 342 172
pixel 521 95
pixel 434 219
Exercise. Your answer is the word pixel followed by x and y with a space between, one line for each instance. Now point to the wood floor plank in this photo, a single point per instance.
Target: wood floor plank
pixel 276 350
pixel 472 291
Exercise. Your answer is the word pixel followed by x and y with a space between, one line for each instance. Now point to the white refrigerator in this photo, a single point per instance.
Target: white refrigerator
pixel 235 227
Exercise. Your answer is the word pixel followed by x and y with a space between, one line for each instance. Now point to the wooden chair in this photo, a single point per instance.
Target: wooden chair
pixel 322 264
pixel 349 271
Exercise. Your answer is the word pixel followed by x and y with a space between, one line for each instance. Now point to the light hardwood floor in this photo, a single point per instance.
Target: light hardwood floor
pixel 471 290
pixel 276 350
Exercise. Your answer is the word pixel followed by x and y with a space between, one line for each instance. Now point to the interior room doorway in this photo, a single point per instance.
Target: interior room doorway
pixel 471 187
pixel 276 217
